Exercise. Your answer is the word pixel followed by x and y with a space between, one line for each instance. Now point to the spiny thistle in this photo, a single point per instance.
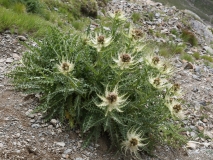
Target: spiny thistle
pixel 99 41
pixel 125 61
pixel 154 61
pixel 166 69
pixel 112 100
pixel 117 15
pixel 159 82
pixel 65 66
pixel 135 34
pixel 175 109
pixel 133 142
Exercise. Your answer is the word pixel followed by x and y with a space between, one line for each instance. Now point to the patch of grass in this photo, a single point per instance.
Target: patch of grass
pixel 189 37
pixel 23 22
pixel 179 50
pixel 187 57
pixel 174 31
pixel 79 24
pixel 168 50
pixel 196 55
pixel 136 17
pixel 207 58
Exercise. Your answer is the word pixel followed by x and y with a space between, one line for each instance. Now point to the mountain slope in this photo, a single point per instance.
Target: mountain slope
pixel 202 8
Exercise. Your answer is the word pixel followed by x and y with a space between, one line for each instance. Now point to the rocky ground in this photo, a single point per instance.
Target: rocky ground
pixel 27 136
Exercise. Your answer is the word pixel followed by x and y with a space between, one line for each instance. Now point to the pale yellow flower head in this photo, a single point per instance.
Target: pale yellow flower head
pixel 135 34
pixel 112 100
pixel 118 15
pixel 133 142
pixel 65 66
pixel 175 109
pixel 159 82
pixel 99 41
pixel 154 61
pixel 125 61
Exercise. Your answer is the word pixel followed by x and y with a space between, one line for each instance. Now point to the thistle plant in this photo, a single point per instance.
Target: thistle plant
pixel 103 82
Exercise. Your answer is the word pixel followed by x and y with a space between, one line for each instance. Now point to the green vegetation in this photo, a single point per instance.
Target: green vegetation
pixel 97 82
pixel 34 16
pixel 168 50
pixel 196 55
pixel 136 17
pixel 187 57
pixel 22 22
pixel 189 37
pixel 207 58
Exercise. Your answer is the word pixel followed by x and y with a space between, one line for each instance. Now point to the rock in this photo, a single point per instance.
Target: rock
pixel 196 77
pixel 188 66
pixel 201 29
pixel 35 126
pixel 200 128
pixel 29 113
pixel 191 145
pixel 16 56
pixel 197 69
pixel 53 121
pixel 1 145
pixel 79 158
pixel 2 60
pixel 193 134
pixel 67 151
pixel 208 49
pixel 9 60
pixel 22 38
pixel 61 144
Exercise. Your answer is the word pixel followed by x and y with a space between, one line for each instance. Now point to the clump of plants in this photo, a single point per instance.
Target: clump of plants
pixel 189 37
pixel 105 82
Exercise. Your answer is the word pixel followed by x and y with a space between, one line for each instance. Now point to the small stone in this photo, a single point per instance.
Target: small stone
pixel 193 134
pixel 9 60
pixel 1 145
pixel 66 156
pixel 67 151
pixel 79 158
pixel 203 103
pixel 2 60
pixel 29 113
pixel 22 38
pixel 188 66
pixel 53 121
pixel 191 145
pixel 17 135
pixel 35 126
pixel 196 77
pixel 197 69
pixel 16 56
pixel 200 128
pixel 62 144
pixel 205 120
pixel 194 89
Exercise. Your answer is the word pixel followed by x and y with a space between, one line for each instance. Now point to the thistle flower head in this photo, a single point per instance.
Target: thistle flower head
pixel 176 90
pixel 99 41
pixel 154 61
pixel 125 60
pixel 65 66
pixel 135 33
pixel 118 15
pixel 175 109
pixel 112 101
pixel 133 142
pixel 166 69
pixel 159 82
